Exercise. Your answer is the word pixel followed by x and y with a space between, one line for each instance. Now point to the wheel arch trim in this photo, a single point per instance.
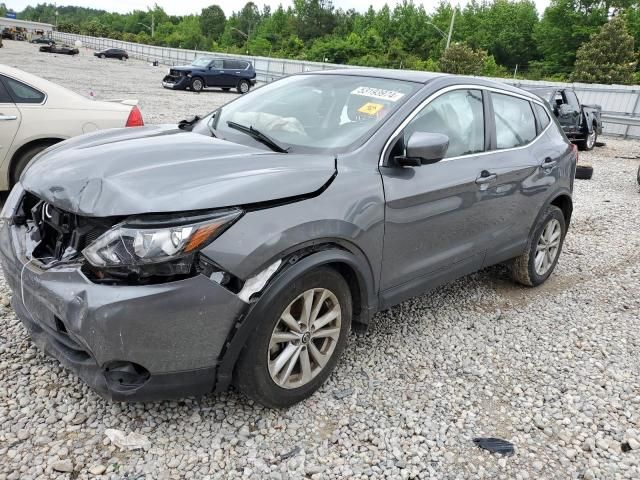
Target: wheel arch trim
pixel 248 321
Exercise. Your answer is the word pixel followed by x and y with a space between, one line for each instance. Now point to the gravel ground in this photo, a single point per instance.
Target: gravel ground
pixel 554 370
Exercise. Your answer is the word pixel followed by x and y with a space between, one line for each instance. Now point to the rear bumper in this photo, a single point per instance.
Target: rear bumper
pixel 172 334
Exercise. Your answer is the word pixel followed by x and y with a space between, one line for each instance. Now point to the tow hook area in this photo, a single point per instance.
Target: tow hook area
pixel 122 376
pixel 256 283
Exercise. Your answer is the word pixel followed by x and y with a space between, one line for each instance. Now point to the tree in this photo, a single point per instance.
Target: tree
pixel 608 57
pixel 565 26
pixel 212 22
pixel 461 59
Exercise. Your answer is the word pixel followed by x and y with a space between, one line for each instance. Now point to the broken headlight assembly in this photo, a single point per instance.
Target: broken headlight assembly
pixel 156 245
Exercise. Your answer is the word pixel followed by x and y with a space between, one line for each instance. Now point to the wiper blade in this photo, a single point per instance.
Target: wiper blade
pixel 259 136
pixel 188 123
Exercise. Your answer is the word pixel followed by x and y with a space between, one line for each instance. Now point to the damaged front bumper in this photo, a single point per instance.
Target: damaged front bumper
pixel 129 343
pixel 174 82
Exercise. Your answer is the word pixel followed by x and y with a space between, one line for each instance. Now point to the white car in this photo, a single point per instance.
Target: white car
pixel 36 113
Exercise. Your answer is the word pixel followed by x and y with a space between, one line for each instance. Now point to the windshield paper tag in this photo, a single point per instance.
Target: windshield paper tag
pixel 388 95
pixel 371 108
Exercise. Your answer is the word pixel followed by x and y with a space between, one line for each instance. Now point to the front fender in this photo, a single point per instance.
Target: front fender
pixel 257 312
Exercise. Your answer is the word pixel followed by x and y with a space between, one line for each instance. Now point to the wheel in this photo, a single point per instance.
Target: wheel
pixel 590 140
pixel 243 86
pixel 536 264
pixel 298 344
pixel 23 160
pixel 584 172
pixel 225 89
pixel 638 174
pixel 197 84
pixel 103 56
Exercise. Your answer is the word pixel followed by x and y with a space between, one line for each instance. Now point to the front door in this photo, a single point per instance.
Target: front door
pixel 435 220
pixel 214 75
pixel 9 122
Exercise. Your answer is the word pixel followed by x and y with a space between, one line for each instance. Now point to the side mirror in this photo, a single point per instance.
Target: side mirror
pixel 424 148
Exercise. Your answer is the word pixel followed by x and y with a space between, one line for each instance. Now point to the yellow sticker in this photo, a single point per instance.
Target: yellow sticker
pixel 371 108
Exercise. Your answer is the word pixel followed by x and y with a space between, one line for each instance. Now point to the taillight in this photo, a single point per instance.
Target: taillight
pixel 135 118
pixel 574 147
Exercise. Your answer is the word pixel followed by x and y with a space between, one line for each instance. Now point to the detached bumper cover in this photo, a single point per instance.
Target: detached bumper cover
pixel 176 331
pixel 176 83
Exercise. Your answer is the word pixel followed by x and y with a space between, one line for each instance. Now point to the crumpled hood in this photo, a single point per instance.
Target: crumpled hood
pixel 160 169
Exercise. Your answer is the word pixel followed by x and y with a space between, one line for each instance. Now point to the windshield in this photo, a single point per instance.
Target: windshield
pixel 201 62
pixel 312 112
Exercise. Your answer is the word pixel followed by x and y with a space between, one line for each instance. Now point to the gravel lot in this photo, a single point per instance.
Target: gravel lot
pixel 554 370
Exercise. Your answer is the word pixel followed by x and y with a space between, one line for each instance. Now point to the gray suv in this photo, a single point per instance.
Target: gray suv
pixel 240 247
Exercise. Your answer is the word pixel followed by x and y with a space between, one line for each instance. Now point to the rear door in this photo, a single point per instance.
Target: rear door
pixel 520 177
pixel 9 121
pixel 234 71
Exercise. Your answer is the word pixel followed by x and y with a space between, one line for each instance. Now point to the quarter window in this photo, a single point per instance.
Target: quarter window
pixel 22 93
pixel 515 123
pixel 459 115
pixel 543 116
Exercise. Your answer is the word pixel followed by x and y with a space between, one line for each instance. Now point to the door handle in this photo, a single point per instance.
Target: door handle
pixel 549 163
pixel 7 117
pixel 486 177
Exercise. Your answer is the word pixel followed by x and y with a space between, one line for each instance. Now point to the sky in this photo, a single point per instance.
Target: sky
pixel 185 7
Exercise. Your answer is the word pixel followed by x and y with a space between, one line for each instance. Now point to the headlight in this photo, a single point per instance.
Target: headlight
pixel 143 241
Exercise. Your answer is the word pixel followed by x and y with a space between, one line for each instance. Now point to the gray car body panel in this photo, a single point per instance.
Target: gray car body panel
pixel 401 230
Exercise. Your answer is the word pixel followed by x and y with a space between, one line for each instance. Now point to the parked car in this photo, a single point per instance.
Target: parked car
pixel 43 40
pixel 581 123
pixel 61 49
pixel 243 245
pixel 35 114
pixel 225 73
pixel 112 53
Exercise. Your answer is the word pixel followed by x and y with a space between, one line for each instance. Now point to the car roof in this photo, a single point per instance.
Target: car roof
pixel 425 78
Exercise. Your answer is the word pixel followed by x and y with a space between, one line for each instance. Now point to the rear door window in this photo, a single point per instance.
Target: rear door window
pixel 231 65
pixel 543 116
pixel 22 93
pixel 514 120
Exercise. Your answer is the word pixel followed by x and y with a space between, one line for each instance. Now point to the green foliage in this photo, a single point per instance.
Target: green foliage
pixel 494 35
pixel 608 57
pixel 212 22
pixel 461 59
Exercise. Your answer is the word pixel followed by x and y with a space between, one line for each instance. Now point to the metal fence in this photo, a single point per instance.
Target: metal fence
pixel 620 103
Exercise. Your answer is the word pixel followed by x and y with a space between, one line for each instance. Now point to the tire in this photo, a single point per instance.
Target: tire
pixel 243 87
pixel 525 269
pixel 103 56
pixel 584 172
pixel 23 160
pixel 226 89
pixel 638 174
pixel 255 370
pixel 197 84
pixel 590 140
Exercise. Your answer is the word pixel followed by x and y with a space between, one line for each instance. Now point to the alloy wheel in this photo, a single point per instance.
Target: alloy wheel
pixel 548 247
pixel 304 338
pixel 244 87
pixel 591 139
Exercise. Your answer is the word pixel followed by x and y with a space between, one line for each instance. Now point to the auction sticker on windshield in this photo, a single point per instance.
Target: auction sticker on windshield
pixel 389 95
pixel 371 108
